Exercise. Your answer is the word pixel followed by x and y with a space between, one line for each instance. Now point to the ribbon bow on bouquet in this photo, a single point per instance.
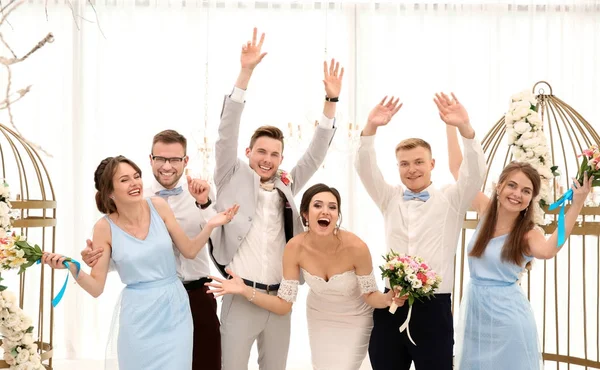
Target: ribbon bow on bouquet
pixel 590 166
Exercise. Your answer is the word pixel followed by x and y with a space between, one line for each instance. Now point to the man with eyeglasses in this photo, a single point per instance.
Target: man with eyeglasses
pixel 169 160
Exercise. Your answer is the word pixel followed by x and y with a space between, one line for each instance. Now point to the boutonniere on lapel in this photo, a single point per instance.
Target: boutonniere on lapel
pixel 285 177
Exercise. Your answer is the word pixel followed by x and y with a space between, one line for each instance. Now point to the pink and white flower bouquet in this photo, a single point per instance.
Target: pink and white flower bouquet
pixel 413 277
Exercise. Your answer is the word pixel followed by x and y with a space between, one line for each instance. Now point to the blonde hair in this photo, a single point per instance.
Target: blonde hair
pixel 408 144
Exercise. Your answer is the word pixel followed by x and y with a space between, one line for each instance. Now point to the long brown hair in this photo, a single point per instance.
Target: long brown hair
pixel 516 244
pixel 103 181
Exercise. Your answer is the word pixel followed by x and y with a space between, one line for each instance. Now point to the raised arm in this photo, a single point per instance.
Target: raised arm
pixel 366 159
pixel 94 282
pixel 314 156
pixel 189 248
pixel 541 248
pixel 471 174
pixel 280 304
pixel 226 158
pixel 455 159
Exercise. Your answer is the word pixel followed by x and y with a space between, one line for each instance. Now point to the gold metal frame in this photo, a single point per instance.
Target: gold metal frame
pixel 37 214
pixel 568 134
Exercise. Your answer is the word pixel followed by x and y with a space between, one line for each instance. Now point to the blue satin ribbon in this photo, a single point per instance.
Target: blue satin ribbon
pixel 60 294
pixel 561 215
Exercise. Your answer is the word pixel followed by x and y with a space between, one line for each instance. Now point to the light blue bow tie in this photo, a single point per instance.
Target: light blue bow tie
pixel 165 193
pixel 422 196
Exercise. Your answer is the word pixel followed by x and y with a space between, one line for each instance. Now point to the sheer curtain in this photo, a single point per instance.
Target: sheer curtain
pixel 123 70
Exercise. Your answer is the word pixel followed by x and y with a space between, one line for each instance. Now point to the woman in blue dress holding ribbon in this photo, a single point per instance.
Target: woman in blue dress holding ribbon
pixel 154 318
pixel 497 329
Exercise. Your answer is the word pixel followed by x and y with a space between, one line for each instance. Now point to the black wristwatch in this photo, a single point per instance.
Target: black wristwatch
pixel 205 205
pixel 333 100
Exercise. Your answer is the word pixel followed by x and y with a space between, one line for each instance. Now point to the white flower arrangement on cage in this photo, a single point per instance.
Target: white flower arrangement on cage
pixel 16 329
pixel 20 350
pixel 524 130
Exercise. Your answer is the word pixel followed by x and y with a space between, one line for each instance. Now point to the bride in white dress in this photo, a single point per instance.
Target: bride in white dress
pixel 337 266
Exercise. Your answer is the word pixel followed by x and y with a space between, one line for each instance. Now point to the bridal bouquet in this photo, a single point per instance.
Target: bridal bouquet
pixel 589 164
pixel 414 278
pixel 15 251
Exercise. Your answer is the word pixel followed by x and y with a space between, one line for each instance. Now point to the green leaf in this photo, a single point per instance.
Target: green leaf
pixel 2 288
pixel 411 300
pixel 29 330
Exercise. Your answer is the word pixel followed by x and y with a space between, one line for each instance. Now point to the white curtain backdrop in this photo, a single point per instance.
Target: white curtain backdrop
pixel 120 72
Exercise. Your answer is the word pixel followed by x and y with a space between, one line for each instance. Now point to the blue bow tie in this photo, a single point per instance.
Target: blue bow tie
pixel 422 196
pixel 165 193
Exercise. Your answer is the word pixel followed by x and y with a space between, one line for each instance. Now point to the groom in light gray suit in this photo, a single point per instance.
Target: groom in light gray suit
pixel 252 244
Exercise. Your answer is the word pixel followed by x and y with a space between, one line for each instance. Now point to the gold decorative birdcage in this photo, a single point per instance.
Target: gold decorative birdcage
pixel 564 291
pixel 34 203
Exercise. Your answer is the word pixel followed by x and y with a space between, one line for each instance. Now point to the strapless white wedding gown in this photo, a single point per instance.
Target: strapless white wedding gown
pixel 339 320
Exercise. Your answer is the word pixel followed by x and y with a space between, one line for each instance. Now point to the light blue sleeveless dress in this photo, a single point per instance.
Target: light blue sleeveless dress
pixel 497 329
pixel 155 330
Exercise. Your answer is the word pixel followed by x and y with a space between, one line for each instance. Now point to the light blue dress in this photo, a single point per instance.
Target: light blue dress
pixel 155 330
pixel 497 328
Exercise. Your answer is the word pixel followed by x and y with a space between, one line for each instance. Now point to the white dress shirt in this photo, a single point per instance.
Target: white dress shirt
pixel 191 219
pixel 427 229
pixel 260 255
pixel 259 258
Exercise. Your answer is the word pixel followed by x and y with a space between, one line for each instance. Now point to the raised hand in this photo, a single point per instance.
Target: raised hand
pixel 451 111
pixel 91 256
pixel 225 217
pixel 332 78
pixel 581 192
pixel 220 286
pixel 199 189
pixel 251 54
pixel 383 112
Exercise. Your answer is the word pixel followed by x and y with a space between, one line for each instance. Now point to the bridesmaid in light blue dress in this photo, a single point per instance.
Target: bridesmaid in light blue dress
pixel 497 328
pixel 155 330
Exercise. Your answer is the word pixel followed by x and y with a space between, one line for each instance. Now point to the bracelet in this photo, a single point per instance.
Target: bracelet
pixel 333 100
pixel 253 295
pixel 205 205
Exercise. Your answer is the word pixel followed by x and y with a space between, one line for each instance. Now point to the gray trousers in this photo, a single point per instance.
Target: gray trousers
pixel 242 323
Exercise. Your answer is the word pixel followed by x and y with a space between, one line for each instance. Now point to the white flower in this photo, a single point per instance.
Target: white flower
pixel 11 321
pixel 427 289
pixel 522 127
pixel 521 110
pixel 416 284
pixel 9 296
pixel 16 336
pixel 27 339
pixel 23 355
pixel 4 190
pixel 535 120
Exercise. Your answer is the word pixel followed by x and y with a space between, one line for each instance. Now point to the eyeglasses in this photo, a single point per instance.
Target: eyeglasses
pixel 173 160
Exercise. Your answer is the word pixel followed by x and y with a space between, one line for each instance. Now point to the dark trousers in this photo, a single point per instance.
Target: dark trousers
pixel 207 335
pixel 431 328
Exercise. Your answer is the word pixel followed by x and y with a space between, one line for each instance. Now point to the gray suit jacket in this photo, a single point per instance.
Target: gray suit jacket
pixel 237 183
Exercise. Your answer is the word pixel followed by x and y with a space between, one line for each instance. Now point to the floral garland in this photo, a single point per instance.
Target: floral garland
pixel 5 210
pixel 16 329
pixel 526 136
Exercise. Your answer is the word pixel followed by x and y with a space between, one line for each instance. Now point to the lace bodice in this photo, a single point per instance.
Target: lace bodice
pixel 346 284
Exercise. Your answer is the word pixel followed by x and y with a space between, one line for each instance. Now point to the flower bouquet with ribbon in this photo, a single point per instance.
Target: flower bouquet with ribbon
pixel 590 166
pixel 413 277
pixel 16 252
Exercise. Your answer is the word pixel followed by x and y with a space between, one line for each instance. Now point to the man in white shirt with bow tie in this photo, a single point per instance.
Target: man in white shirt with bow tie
pixel 420 220
pixel 192 210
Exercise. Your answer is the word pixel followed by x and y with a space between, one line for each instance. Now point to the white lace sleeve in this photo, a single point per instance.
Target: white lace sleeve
pixel 288 290
pixel 367 283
